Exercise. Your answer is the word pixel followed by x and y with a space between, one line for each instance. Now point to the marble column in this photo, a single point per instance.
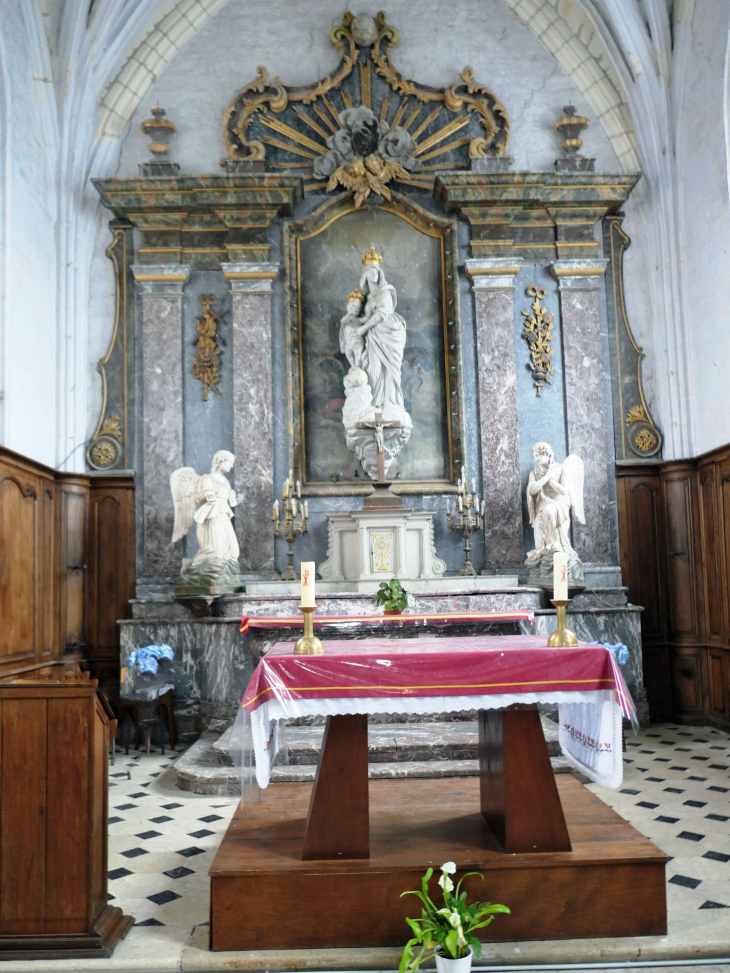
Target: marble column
pixel 579 283
pixel 493 280
pixel 160 288
pixel 253 426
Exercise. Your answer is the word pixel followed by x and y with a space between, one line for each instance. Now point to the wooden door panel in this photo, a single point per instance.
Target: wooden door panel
pixel 682 601
pixel 716 684
pixel 711 549
pixel 18 583
pixel 646 539
pixel 687 678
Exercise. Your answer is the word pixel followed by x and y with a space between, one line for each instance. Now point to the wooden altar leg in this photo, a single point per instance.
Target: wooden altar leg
pixel 338 823
pixel 519 795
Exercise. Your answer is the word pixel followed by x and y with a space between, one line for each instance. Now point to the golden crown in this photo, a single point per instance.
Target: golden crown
pixel 355 296
pixel 372 256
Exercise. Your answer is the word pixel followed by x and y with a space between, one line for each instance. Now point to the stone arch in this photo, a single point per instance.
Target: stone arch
pixel 564 26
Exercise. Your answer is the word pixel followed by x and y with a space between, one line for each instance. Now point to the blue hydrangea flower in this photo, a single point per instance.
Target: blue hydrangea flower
pixel 147 658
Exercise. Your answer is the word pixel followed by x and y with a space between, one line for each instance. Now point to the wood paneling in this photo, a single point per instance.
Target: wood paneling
pixel 66 568
pixel 53 897
pixel 674 530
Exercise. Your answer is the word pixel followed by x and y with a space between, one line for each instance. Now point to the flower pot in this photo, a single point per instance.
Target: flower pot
pixel 392 611
pixel 445 964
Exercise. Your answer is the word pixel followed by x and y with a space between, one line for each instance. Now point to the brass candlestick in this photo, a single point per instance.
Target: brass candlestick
pixel 465 520
pixel 290 527
pixel 562 636
pixel 308 644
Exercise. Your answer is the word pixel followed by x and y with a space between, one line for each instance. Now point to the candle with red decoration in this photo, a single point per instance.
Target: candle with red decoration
pixel 307 576
pixel 560 576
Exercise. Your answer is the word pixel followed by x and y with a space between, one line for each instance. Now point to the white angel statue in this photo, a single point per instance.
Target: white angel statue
pixel 216 563
pixel 552 489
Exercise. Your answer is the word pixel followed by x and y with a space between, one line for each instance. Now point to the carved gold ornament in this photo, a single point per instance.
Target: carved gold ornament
pixel 103 453
pixel 538 333
pixel 372 256
pixel 112 427
pixel 349 130
pixel 645 440
pixel 356 295
pixel 636 414
pixel 205 363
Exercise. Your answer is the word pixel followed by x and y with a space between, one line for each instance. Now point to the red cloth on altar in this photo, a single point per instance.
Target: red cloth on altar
pixel 483 665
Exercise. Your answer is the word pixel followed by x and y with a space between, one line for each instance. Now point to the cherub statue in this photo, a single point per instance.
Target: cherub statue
pixel 352 344
pixel 552 489
pixel 215 567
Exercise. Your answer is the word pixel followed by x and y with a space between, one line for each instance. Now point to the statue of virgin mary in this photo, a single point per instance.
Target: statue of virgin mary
pixel 384 332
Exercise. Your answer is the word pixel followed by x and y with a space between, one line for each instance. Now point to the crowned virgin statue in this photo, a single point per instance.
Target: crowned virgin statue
pixel 373 338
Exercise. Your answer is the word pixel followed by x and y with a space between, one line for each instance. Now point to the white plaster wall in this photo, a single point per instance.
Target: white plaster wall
pixel 290 39
pixel 700 88
pixel 28 155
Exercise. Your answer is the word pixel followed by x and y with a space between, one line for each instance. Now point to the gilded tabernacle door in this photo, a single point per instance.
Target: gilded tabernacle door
pixel 415 254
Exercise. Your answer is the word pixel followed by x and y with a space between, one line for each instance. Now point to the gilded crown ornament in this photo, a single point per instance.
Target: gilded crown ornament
pixel 372 257
pixel 356 295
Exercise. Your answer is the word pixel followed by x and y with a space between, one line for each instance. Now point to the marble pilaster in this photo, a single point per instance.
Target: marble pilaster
pixel 493 283
pixel 160 289
pixel 579 283
pixel 253 428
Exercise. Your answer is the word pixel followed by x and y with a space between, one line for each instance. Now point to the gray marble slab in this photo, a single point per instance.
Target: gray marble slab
pixel 584 396
pixel 162 423
pixel 499 422
pixel 253 429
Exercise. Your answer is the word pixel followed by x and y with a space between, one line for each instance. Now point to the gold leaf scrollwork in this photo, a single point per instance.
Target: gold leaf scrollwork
pixel 363 176
pixel 273 95
pixel 205 363
pixel 538 333
pixel 635 414
pixel 103 453
pixel 112 426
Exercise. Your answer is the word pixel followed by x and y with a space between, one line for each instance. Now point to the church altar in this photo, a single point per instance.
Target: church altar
pixel 537 839
pixel 417 362
pixel 430 675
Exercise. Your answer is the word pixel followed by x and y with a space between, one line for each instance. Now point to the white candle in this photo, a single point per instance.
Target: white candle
pixel 285 490
pixel 299 488
pixel 482 508
pixel 291 477
pixel 293 506
pixel 560 576
pixel 461 504
pixel 306 510
pixel 473 485
pixel 276 510
pixel 307 570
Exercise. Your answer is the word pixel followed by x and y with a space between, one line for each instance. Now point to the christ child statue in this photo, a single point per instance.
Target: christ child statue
pixel 352 344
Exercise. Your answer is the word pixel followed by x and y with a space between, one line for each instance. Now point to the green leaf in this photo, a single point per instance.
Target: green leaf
pixel 406 957
pixel 396 587
pixel 452 943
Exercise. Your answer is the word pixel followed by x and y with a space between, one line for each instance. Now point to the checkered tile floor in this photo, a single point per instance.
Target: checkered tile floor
pixel 676 791
pixel 161 843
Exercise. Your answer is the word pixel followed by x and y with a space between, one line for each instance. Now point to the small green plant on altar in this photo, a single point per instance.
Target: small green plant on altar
pixel 449 930
pixel 393 596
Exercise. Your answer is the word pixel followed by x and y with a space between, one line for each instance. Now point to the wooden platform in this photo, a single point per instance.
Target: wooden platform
pixel 263 896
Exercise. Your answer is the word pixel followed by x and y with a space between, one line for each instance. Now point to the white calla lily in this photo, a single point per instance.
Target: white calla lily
pixel 449 868
pixel 446 884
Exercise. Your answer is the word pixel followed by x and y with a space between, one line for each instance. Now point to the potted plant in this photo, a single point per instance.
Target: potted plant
pixel 393 597
pixel 449 931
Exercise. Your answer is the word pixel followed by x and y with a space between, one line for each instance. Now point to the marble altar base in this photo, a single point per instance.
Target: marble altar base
pixel 214 661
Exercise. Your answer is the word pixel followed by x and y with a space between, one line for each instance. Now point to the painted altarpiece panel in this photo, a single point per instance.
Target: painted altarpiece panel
pixel 323 266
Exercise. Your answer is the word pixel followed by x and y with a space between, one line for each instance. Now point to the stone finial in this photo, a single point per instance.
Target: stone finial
pixel 570 127
pixel 158 128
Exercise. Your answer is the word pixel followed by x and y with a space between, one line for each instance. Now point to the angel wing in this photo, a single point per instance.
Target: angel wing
pixel 571 477
pixel 183 486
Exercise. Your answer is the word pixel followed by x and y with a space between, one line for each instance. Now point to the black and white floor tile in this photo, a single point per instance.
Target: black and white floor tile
pixel 676 791
pixel 162 841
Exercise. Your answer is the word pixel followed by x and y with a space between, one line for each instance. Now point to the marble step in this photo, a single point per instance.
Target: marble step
pixel 393 742
pixel 396 751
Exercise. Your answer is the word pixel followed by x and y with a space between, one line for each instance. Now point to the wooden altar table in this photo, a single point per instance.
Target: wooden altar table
pixel 341 852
